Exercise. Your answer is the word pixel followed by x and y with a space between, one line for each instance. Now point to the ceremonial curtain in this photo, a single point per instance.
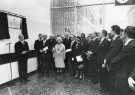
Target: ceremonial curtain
pixel 24 28
pixel 4 32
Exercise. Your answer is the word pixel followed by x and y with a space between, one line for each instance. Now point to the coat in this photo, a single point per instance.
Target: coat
pixel 19 48
pixel 115 47
pixel 102 51
pixel 123 65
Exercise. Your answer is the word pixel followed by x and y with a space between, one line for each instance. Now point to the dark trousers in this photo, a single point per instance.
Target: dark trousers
pixel 70 65
pixel 52 63
pixel 103 79
pixel 93 69
pixel 22 68
pixel 119 84
pixel 40 63
pixel 43 64
pixel 66 63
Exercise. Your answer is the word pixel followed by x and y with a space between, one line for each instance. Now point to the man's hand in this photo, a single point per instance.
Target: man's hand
pixel 24 52
pixel 89 52
pixel 72 59
pixel 41 51
pixel 45 49
pixel 104 61
pixel 131 83
pixel 103 65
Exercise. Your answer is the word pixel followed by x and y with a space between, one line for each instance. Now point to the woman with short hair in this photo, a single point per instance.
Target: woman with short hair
pixel 59 55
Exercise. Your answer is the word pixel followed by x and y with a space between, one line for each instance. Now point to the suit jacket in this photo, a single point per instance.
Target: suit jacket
pixel 46 44
pixel 74 49
pixel 46 54
pixel 19 48
pixel 115 48
pixel 83 45
pixel 124 61
pixel 67 43
pixel 38 45
pixel 123 65
pixel 51 43
pixel 102 50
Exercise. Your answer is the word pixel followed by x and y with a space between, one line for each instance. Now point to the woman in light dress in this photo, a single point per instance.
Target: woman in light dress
pixel 59 55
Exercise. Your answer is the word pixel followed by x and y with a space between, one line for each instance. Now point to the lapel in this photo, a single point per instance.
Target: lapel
pixel 22 44
pixel 72 43
pixel 114 41
pixel 44 43
pixel 102 42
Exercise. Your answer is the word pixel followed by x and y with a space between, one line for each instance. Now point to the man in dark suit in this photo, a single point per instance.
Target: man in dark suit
pixel 90 58
pixel 21 49
pixel 115 48
pixel 67 43
pixel 83 52
pixel 73 55
pixel 73 46
pixel 123 64
pixel 93 47
pixel 38 46
pixel 102 50
pixel 83 44
pixel 46 56
pixel 51 43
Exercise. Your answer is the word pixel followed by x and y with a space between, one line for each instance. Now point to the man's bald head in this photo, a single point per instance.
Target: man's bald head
pixel 21 37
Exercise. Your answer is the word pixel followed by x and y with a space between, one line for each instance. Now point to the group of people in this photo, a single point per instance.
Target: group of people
pixel 105 58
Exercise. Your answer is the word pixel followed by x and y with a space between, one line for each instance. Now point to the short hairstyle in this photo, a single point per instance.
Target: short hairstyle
pixel 104 32
pixel 44 36
pixel 130 32
pixel 39 34
pixel 59 39
pixel 83 35
pixel 96 34
pixel 116 29
pixel 20 35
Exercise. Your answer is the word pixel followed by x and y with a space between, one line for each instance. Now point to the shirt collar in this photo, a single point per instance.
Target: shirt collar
pixel 114 38
pixel 44 41
pixel 22 41
pixel 128 41
pixel 102 38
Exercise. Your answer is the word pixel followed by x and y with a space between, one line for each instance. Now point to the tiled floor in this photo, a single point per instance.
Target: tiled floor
pixel 53 85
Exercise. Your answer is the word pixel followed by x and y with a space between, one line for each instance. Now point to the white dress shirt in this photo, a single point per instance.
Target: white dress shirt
pixel 128 41
pixel 114 38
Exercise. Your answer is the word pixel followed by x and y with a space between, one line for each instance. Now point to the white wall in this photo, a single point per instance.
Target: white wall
pixel 131 16
pixel 120 15
pixel 37 13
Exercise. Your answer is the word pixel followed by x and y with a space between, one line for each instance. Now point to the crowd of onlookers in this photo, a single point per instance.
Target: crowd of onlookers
pixel 103 57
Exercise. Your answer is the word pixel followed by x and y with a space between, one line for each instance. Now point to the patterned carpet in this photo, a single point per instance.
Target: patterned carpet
pixel 53 85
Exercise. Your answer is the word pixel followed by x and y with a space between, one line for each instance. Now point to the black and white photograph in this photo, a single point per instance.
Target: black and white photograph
pixel 67 47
